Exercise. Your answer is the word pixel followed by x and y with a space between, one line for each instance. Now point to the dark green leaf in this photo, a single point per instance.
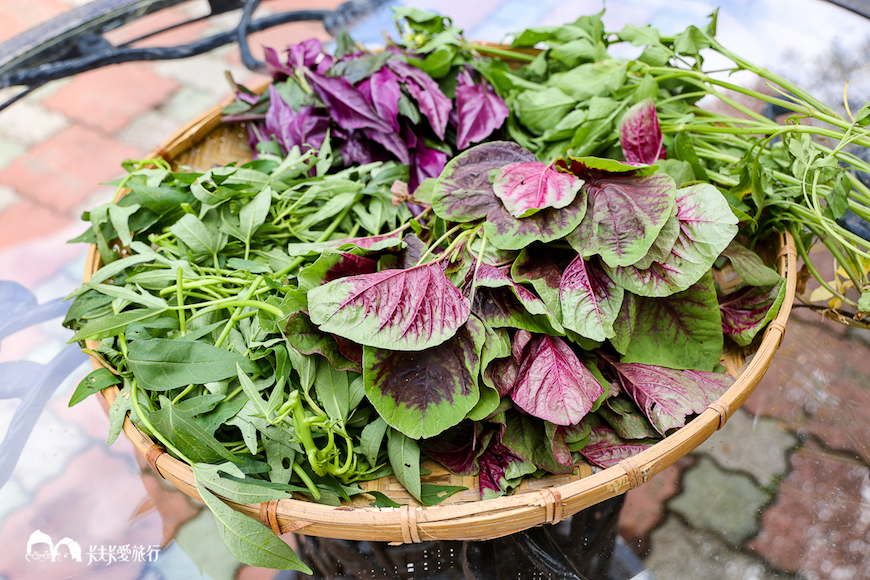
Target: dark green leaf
pixel 432 494
pixel 382 501
pixel 404 457
pixel 94 382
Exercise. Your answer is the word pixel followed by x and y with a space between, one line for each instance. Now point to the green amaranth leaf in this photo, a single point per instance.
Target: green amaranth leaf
pixel 248 540
pixel 162 364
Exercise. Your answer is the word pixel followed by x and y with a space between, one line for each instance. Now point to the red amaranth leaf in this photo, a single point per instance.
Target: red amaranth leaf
pixel 526 188
pixel 640 134
pixel 606 448
pixel 590 300
pixel 668 396
pixel 553 384
pixel 411 309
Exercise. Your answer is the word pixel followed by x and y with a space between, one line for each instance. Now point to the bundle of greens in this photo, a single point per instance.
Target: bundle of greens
pixel 291 326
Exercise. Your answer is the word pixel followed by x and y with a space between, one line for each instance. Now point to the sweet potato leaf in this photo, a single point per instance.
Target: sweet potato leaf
pixel 553 384
pixel 589 299
pixel 411 309
pixel 667 396
pixel 161 364
pixel 423 393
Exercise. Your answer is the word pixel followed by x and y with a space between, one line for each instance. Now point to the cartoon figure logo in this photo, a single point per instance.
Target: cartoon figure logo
pixel 40 547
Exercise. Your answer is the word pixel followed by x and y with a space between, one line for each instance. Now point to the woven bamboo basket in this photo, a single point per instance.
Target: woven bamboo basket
pixel 204 143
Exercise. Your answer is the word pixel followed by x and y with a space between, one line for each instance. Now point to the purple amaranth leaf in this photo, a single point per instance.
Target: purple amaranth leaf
pixel 640 134
pixel 668 396
pixel 425 163
pixel 526 188
pixel 304 54
pixel 274 66
pixel 501 302
pixel 681 331
pixel 527 437
pixel 748 310
pixel 391 142
pixel 590 300
pixel 304 337
pixel 324 64
pixel 625 214
pixel 306 128
pixel 332 265
pixel 457 449
pixel 347 106
pixel 357 149
pixel 431 101
pixel 463 192
pixel 707 226
pixel 411 309
pixel 385 93
pixel 623 326
pixel 424 392
pixel 552 383
pixel 479 113
pixel 749 266
pixel 606 448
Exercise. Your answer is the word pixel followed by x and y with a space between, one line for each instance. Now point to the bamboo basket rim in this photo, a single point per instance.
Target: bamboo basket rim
pixel 481 519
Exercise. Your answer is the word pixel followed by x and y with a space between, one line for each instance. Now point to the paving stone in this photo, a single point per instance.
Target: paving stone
pixel 756 445
pixel 682 553
pixel 16 17
pixel 26 220
pixel 62 171
pixel 37 260
pixel 8 196
pixel 29 122
pixel 187 103
pixel 644 506
pixel 819 524
pixel 204 72
pixel 109 98
pixel 819 383
pixel 148 130
pixel 9 150
pixel 716 500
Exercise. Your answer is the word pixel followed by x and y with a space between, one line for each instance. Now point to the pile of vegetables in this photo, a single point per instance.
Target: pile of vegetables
pixel 369 291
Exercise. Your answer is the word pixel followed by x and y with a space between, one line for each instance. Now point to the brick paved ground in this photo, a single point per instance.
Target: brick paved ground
pixel 783 491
